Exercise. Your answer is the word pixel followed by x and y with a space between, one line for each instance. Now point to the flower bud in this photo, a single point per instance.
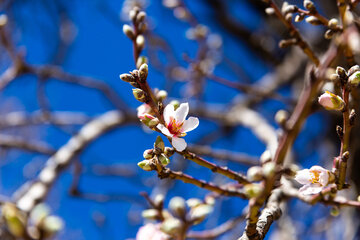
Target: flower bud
pixel 269 11
pixel 153 122
pixel 132 14
pixel 329 34
pixel 290 9
pixel 198 213
pixel 309 5
pixel 148 154
pixel 159 143
pixel 162 95
pixel 353 69
pixel 159 199
pixel 331 101
pixel 269 169
pixel 140 41
pixel 299 18
pixel 335 77
pixel 265 156
pixel 313 20
pixel 141 60
pixel 354 79
pixel 333 23
pixel 139 94
pixel 169 151
pixel 3 20
pixel 143 72
pixel 52 225
pixel 164 160
pixel 177 205
pixel 171 226
pixel 128 31
pixel 335 211
pixel 210 200
pixel 281 117
pixel 175 103
pixel 341 72
pixel 254 173
pixel 15 220
pixel 253 190
pixel 150 214
pixel 193 202
pixel 140 17
pixel 145 165
pixel 127 77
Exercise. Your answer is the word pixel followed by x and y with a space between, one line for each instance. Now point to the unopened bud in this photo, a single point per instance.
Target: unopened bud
pixel 269 169
pixel 164 160
pixel 140 41
pixel 287 42
pixel 132 14
pixel 335 211
pixel 3 20
pixel 159 199
pixel 143 72
pixel 299 17
pixel 309 5
pixel 193 202
pixel 254 173
pixel 15 221
pixel 333 23
pixel 341 72
pixel 171 226
pixel 290 9
pixel 331 101
pixel 253 190
pixel 159 144
pixel 153 122
pixel 353 70
pixel 52 225
pixel 265 156
pixel 175 103
pixel 128 31
pixel 148 154
pixel 198 213
pixel 161 95
pixel 178 206
pixel 127 77
pixel 354 79
pixel 329 34
pixel 169 151
pixel 141 60
pixel 281 117
pixel 335 77
pixel 269 11
pixel 139 94
pixel 313 20
pixel 145 165
pixel 140 17
pixel 150 214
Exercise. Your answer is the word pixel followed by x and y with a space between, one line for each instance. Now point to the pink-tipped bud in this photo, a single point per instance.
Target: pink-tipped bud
pixel 331 101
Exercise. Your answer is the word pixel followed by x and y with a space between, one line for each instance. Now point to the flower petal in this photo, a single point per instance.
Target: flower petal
pixel 303 176
pixel 190 124
pixel 179 144
pixel 310 189
pixel 164 130
pixel 182 112
pixel 169 112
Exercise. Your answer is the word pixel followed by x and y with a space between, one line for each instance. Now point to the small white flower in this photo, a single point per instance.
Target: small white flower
pixel 176 125
pixel 143 112
pixel 151 231
pixel 313 179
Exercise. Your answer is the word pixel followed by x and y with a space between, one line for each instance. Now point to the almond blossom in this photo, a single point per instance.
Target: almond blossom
pixel 151 231
pixel 176 126
pixel 313 179
pixel 331 101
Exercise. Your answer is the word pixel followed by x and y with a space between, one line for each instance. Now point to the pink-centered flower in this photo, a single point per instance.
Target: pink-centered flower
pixel 151 231
pixel 331 101
pixel 313 179
pixel 143 112
pixel 176 125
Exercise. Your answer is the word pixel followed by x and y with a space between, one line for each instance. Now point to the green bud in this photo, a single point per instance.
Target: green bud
pixel 198 213
pixel 164 160
pixel 140 61
pixel 52 225
pixel 177 206
pixel 143 72
pixel 39 213
pixel 175 103
pixel 139 94
pixel 253 190
pixel 354 79
pixel 159 143
pixel 127 77
pixel 148 154
pixel 153 122
pixel 171 226
pixel 15 220
pixel 145 165
pixel 128 31
pixel 254 173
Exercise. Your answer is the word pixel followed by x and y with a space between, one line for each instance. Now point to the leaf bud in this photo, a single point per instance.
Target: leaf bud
pixel 164 159
pixel 159 144
pixel 145 165
pixel 148 154
pixel 253 190
pixel 139 94
pixel 143 72
pixel 354 79
pixel 127 77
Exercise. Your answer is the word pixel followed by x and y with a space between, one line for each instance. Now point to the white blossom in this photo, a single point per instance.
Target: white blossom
pixel 313 179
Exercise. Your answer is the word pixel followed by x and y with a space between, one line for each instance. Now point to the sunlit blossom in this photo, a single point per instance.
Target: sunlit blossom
pixel 313 179
pixel 143 112
pixel 176 125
